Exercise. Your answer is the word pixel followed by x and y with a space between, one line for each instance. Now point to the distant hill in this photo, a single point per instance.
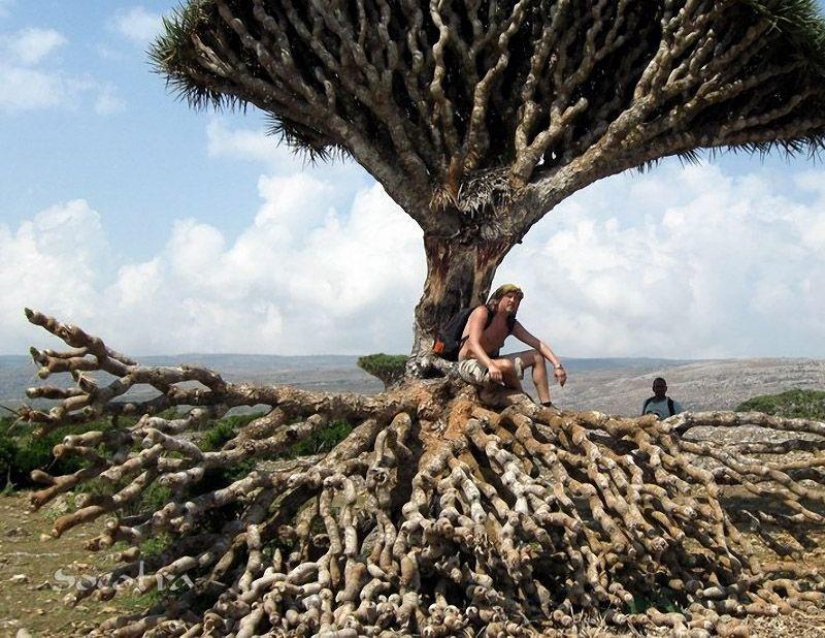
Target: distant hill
pixel 324 373
pixel 699 385
pixel 614 386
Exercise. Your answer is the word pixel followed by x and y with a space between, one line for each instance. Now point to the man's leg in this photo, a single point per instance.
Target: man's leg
pixel 510 374
pixel 533 359
pixel 471 371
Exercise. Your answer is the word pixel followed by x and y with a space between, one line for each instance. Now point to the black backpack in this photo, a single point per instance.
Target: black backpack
pixel 448 339
pixel 669 405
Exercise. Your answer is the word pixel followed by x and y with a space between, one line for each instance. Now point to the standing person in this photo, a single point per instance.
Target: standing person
pixel 487 328
pixel 660 404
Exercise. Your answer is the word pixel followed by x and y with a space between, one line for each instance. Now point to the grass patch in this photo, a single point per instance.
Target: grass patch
pixel 321 441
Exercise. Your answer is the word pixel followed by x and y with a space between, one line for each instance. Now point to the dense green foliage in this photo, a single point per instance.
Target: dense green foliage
pixel 389 368
pixel 21 451
pixel 796 404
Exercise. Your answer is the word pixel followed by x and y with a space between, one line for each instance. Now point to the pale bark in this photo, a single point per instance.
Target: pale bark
pixel 444 512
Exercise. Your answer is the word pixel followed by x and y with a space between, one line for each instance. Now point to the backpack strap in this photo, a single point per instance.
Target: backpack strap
pixel 463 339
pixel 670 406
pixel 490 315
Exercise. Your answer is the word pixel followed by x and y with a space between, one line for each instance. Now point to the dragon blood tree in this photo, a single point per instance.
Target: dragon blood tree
pixel 448 511
pixel 479 116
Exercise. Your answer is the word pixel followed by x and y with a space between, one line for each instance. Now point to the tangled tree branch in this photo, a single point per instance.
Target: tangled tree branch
pixel 546 96
pixel 442 513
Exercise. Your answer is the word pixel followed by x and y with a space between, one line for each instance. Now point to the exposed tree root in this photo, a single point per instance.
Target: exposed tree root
pixel 443 512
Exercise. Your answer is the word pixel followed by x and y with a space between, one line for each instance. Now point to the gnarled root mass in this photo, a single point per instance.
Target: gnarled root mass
pixel 442 513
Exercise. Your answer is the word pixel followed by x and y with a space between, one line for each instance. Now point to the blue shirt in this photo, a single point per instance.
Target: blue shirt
pixel 660 408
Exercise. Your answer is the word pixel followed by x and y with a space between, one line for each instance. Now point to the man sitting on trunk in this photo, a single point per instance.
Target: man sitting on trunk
pixel 487 328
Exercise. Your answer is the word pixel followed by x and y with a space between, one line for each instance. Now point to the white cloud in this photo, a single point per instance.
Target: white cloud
pixel 30 46
pixel 245 144
pixel 30 77
pixel 305 277
pixel 728 267
pixel 22 85
pixel 50 263
pixel 24 89
pixel 108 101
pixel 345 284
pixel 138 24
pixel 256 146
pixel 723 269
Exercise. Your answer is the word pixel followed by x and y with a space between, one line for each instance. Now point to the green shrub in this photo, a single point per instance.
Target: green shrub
pixel 221 432
pixel 388 368
pixel 153 498
pixel 8 472
pixel 217 436
pixel 321 441
pixel 21 452
pixel 796 404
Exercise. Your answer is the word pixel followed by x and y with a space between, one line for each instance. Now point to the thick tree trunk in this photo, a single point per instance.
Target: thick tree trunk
pixel 459 275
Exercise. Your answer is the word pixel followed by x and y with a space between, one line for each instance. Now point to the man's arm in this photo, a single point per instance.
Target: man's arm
pixel 523 335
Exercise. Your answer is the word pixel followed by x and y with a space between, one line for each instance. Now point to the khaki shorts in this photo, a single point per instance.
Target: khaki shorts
pixel 471 371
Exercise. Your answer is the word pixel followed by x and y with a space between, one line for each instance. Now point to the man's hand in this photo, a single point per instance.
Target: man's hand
pixel 495 373
pixel 561 375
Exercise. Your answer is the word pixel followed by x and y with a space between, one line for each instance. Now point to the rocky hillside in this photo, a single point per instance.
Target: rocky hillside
pixel 615 386
pixel 699 385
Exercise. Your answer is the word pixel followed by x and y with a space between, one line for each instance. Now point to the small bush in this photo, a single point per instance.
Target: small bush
pixel 321 441
pixel 153 498
pixel 221 432
pixel 21 451
pixel 388 368
pixel 794 404
pixel 8 454
pixel 217 436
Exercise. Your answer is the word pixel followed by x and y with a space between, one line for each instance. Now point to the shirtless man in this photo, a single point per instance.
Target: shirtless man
pixel 479 360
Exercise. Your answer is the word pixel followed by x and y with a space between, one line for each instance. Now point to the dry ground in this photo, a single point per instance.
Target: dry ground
pixel 36 573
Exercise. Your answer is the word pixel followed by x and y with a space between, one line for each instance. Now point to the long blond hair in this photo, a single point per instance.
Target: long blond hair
pixel 502 290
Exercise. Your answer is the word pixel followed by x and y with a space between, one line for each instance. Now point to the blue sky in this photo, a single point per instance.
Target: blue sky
pixel 165 230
